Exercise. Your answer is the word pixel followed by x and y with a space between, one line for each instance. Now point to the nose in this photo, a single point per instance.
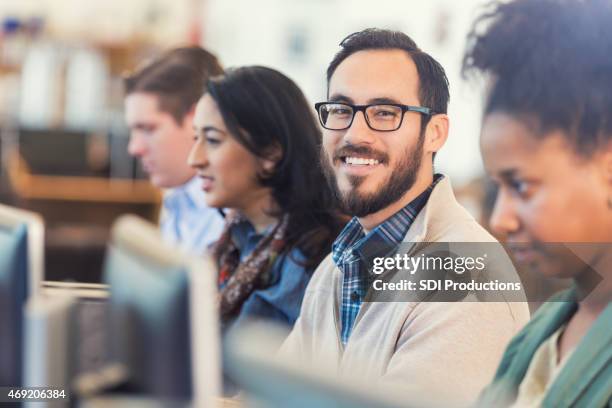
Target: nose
pixel 504 219
pixel 197 155
pixel 136 146
pixel 359 132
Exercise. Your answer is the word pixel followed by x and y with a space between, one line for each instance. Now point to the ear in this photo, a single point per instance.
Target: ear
pixel 606 169
pixel 608 160
pixel 605 165
pixel 271 157
pixel 436 133
pixel 268 165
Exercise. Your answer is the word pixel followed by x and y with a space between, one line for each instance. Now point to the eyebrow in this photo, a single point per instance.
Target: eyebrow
pixel 346 99
pixel 340 98
pixel 507 174
pixel 206 129
pixel 141 125
pixel 383 100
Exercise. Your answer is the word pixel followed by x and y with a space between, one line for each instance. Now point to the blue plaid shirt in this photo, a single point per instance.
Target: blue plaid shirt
pixel 353 250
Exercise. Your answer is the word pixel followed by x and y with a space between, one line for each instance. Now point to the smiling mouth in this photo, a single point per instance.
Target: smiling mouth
pixel 358 161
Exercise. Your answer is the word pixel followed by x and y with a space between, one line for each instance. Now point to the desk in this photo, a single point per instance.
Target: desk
pixel 141 402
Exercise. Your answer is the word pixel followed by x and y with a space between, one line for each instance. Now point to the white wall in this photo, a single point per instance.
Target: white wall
pixel 299 37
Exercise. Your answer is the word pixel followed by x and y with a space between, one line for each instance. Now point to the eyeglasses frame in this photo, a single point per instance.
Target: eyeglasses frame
pixel 362 108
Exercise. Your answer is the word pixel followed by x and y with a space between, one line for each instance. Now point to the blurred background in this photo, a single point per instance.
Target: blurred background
pixel 62 132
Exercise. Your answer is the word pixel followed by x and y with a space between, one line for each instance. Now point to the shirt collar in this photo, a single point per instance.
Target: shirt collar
pixel 189 194
pixel 353 243
pixel 245 235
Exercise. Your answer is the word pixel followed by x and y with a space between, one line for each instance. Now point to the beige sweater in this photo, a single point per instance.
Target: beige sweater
pixel 443 353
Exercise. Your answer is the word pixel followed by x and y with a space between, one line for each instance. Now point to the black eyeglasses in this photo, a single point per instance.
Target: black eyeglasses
pixel 385 117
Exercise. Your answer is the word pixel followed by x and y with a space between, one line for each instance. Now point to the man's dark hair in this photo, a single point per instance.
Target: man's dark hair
pixel 550 64
pixel 268 114
pixel 433 84
pixel 178 77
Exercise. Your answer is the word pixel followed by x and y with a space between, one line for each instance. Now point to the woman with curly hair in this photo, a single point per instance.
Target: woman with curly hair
pixel 547 142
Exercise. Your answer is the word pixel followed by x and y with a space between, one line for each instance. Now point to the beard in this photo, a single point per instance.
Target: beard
pixel 402 178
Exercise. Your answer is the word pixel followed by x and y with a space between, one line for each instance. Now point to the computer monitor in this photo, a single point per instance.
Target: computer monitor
pixel 21 247
pixel 163 318
pixel 10 219
pixel 49 342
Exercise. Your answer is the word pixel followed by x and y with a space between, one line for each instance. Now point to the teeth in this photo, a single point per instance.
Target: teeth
pixel 359 161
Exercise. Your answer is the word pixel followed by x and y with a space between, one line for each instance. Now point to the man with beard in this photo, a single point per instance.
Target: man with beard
pixel 384 121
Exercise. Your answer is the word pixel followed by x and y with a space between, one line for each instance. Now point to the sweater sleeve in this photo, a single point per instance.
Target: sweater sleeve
pixel 448 352
pixel 309 341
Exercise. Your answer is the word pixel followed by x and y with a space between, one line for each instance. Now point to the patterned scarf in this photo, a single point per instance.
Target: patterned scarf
pixel 237 279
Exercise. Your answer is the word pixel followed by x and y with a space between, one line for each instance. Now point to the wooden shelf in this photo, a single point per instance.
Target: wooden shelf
pixel 68 188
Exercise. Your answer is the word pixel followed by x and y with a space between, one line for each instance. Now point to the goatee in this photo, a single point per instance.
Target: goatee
pixel 402 178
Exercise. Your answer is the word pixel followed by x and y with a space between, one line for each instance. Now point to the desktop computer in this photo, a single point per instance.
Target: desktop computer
pixel 21 247
pixel 162 316
pixel 49 344
pixel 13 294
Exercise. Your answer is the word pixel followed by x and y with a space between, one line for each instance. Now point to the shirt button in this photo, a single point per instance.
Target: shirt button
pixel 355 296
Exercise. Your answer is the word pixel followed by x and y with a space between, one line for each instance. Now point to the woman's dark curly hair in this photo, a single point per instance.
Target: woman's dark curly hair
pixel 549 62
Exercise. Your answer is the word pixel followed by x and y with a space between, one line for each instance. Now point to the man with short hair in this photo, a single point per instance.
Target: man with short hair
pixel 384 120
pixel 159 108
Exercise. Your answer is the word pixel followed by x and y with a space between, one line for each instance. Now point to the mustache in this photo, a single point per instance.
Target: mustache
pixel 361 150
